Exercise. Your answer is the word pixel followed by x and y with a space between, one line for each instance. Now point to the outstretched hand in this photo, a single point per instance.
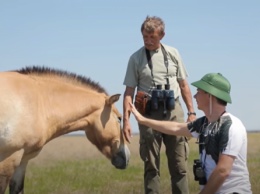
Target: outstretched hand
pixel 135 112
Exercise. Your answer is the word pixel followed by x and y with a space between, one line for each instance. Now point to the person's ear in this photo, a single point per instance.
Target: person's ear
pixel 162 35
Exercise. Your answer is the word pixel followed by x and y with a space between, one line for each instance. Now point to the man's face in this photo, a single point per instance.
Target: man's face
pixel 152 39
pixel 202 99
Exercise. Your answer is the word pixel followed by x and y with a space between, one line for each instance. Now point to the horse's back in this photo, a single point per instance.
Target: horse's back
pixel 14 93
pixel 13 84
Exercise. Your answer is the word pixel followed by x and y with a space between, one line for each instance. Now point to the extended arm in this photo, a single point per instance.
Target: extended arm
pixel 167 127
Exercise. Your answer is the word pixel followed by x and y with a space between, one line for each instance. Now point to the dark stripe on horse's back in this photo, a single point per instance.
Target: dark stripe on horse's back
pixel 61 73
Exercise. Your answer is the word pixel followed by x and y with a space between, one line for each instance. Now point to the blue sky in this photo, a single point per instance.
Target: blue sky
pixel 96 39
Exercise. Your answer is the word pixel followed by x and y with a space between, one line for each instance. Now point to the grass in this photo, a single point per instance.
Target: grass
pixel 71 165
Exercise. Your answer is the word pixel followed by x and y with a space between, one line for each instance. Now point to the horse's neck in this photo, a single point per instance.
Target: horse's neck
pixel 67 108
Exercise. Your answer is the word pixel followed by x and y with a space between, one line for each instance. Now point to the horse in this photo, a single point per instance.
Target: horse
pixel 39 104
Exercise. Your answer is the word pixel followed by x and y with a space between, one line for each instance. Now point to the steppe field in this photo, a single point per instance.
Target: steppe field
pixel 72 165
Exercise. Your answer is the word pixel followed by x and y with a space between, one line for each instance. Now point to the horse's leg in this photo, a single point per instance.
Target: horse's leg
pixel 6 171
pixel 4 179
pixel 8 163
pixel 16 185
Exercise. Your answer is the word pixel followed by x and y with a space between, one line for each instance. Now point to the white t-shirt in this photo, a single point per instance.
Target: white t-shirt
pixel 227 136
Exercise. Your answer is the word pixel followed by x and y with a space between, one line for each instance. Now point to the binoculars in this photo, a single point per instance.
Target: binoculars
pixel 199 174
pixel 166 97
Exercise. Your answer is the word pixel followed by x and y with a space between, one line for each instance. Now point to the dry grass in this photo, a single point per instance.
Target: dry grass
pixel 71 164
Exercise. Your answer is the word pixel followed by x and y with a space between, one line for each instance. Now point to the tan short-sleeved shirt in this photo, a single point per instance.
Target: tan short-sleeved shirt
pixel 138 72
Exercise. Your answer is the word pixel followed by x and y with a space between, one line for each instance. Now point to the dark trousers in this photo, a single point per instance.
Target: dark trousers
pixel 176 152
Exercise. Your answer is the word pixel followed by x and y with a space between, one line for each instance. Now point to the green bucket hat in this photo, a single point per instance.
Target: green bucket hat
pixel 216 85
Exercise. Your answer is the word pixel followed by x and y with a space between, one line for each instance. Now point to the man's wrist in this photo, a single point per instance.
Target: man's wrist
pixel 191 113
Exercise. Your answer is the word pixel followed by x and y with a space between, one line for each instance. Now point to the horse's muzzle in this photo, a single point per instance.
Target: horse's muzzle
pixel 121 159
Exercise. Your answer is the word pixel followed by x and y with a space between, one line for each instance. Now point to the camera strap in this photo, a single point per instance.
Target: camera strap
pixel 150 64
pixel 203 162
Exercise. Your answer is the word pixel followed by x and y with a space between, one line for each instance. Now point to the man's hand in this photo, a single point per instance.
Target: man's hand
pixel 127 131
pixel 191 118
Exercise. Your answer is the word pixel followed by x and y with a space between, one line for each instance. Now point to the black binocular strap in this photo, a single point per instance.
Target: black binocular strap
pixel 150 64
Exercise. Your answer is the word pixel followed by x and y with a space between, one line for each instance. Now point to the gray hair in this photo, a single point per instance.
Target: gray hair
pixel 152 23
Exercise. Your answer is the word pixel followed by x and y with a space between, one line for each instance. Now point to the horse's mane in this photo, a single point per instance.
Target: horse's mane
pixel 36 70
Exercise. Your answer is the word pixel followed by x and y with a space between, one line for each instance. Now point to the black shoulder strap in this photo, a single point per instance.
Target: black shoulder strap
pixel 150 64
pixel 165 58
pixel 148 56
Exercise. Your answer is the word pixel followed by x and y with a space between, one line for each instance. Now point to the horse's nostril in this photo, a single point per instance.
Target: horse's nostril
pixel 119 162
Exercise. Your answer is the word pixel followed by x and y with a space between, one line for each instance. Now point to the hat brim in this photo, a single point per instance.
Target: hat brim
pixel 212 90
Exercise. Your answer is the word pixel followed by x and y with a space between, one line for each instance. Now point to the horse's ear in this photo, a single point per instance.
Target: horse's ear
pixel 112 99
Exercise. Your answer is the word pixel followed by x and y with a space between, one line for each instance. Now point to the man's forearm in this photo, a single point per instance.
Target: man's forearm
pixel 126 111
pixel 187 98
pixel 186 95
pixel 126 108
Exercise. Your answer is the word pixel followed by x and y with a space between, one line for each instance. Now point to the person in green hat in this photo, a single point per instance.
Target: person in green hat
pixel 222 138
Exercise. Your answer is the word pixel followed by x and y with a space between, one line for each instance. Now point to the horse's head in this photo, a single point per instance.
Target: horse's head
pixel 105 132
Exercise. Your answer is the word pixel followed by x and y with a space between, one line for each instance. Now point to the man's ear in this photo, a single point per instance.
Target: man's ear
pixel 162 35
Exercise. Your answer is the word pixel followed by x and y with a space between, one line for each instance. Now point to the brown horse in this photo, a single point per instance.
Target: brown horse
pixel 39 104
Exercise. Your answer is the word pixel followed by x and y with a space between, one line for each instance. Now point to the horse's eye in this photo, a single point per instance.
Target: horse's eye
pixel 119 119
